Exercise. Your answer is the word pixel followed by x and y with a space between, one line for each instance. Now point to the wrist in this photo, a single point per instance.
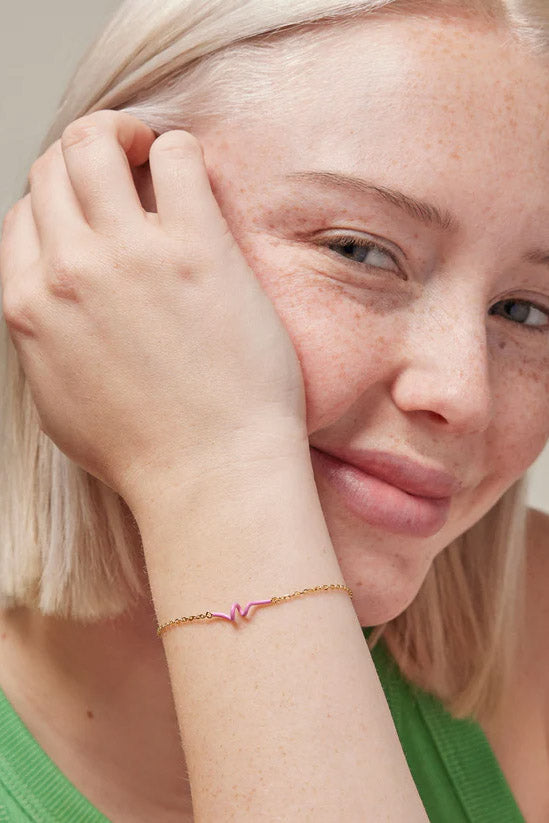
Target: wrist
pixel 248 535
pixel 235 462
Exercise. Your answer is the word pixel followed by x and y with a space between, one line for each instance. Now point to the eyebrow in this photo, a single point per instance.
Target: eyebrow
pixel 538 256
pixel 426 213
pixel 418 209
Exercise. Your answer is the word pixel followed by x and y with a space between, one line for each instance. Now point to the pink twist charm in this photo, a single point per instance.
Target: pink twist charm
pixel 236 606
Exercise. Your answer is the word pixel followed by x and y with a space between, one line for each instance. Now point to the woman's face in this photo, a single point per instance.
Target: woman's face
pixel 436 346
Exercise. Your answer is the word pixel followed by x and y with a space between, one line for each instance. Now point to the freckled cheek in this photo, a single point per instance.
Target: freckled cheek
pixel 521 419
pixel 342 345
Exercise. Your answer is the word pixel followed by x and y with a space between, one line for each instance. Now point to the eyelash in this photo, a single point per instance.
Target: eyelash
pixel 543 329
pixel 346 240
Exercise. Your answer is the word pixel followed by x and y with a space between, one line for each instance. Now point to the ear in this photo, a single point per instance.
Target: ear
pixel 144 186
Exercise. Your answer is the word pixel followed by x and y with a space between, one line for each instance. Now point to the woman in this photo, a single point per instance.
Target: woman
pixel 383 175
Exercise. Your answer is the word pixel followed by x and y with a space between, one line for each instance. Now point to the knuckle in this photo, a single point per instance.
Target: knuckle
pixel 36 168
pixel 105 116
pixel 52 153
pixel 17 312
pixel 178 142
pixel 64 276
pixel 82 132
pixel 185 261
pixel 45 160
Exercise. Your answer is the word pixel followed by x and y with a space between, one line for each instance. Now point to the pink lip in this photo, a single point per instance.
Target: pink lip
pixel 402 472
pixel 389 492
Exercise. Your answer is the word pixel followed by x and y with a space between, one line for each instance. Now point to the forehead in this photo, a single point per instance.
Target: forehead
pixel 400 52
pixel 397 75
pixel 433 103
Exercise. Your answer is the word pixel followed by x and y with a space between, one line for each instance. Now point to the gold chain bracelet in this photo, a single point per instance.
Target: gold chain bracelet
pixel 236 606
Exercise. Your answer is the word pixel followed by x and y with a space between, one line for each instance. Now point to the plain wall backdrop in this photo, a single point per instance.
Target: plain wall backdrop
pixel 40 45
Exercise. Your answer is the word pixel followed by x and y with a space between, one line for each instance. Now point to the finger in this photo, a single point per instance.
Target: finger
pixel 20 245
pixel 184 198
pixel 56 210
pixel 99 150
pixel 19 253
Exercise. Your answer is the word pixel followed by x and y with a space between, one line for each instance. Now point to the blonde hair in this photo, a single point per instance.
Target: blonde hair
pixel 69 546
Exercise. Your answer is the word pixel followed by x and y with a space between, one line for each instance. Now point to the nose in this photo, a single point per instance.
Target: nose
pixel 446 371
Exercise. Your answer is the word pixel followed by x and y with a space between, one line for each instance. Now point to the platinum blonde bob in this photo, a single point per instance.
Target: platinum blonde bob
pixel 69 546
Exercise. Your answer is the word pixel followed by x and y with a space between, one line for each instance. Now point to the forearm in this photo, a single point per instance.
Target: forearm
pixel 281 717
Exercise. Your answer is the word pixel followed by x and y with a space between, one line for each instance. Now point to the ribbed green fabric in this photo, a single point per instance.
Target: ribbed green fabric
pixel 32 788
pixel 455 770
pixel 457 775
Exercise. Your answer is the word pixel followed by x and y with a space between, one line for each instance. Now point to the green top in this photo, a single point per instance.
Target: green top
pixel 455 770
pixel 32 788
pixel 457 775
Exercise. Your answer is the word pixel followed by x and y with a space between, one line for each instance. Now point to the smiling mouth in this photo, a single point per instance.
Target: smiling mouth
pixel 386 505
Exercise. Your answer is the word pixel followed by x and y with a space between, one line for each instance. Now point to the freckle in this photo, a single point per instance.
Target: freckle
pixel 90 714
pixel 502 344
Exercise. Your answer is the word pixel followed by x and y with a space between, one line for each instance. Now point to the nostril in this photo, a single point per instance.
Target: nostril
pixel 436 416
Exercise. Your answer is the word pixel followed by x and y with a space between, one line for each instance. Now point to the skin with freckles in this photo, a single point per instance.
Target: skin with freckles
pixel 398 349
pixel 414 348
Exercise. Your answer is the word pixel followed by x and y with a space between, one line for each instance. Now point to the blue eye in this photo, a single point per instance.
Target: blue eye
pixel 519 311
pixel 360 251
pixel 365 252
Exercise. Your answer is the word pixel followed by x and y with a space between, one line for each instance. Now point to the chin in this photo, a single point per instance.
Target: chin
pixel 385 592
pixel 374 613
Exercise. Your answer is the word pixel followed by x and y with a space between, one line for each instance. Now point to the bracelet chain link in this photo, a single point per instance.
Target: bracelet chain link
pixel 272 601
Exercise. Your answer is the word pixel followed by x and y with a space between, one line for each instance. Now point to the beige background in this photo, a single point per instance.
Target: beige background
pixel 40 44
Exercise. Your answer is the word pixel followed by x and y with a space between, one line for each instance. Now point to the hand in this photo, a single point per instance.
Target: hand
pixel 147 341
